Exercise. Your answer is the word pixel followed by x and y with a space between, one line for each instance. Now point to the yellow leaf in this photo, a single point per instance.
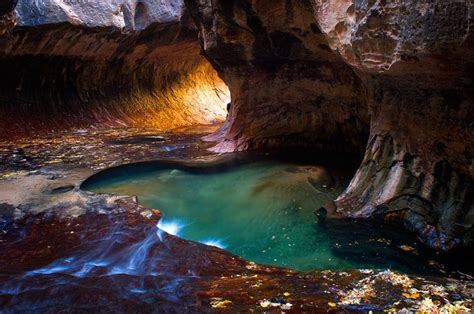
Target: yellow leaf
pixel 332 304
pixel 286 294
pixel 414 295
pixel 407 248
pixel 220 304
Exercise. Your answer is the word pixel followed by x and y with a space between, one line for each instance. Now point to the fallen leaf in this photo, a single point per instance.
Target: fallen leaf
pixel 218 303
pixel 265 303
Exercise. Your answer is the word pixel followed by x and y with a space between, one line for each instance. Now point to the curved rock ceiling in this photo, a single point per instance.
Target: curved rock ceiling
pixel 128 14
pixel 389 80
pixel 70 63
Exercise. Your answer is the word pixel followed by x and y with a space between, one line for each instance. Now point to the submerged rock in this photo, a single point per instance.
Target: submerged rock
pixel 387 80
pixel 329 75
pixel 133 267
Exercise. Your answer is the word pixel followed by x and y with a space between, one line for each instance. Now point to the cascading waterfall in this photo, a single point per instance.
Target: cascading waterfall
pixel 123 251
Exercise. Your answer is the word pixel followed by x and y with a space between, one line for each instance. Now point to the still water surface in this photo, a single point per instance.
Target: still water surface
pixel 264 211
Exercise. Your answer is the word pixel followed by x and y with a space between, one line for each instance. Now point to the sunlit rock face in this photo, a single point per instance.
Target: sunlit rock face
pixel 120 63
pixel 288 87
pixel 391 78
pixel 325 73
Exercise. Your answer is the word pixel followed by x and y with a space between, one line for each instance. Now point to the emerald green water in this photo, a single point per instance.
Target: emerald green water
pixel 263 211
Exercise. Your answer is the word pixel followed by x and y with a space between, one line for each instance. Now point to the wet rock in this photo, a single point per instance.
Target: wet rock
pixel 109 62
pixel 350 60
pixel 67 250
pixel 6 216
pixel 334 76
pixel 61 189
pixel 6 210
pixel 138 139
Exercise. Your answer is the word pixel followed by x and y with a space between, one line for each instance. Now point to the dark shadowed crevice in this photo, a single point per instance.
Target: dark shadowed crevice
pixel 7 6
pixel 141 16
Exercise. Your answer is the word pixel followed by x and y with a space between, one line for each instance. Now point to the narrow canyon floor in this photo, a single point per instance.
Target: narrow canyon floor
pixel 66 248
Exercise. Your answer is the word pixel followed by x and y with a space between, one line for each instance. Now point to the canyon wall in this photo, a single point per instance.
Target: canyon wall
pixel 417 61
pixel 387 80
pixel 119 63
pixel 288 87
pixel 330 74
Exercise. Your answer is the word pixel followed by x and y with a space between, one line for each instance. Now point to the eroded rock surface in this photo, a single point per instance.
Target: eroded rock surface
pixel 415 59
pixel 117 262
pixel 329 74
pixel 393 79
pixel 120 63
pixel 105 252
pixel 374 35
pixel 288 88
pixel 129 14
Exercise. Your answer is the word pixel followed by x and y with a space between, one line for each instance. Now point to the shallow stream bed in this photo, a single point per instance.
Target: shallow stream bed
pixel 66 249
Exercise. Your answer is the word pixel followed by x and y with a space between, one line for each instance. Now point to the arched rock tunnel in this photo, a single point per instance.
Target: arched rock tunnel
pixel 342 76
pixel 56 76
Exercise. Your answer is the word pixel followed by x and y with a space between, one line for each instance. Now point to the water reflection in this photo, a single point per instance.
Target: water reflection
pixel 264 211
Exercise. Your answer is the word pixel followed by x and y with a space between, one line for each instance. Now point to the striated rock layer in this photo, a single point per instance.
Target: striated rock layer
pixel 127 64
pixel 416 60
pixel 288 87
pixel 387 80
pixel 330 74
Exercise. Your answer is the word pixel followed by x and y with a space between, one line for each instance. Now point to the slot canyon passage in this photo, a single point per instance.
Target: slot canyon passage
pixel 236 155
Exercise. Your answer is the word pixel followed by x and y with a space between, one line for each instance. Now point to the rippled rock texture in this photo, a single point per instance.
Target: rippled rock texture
pixel 393 79
pixel 122 261
pixel 279 68
pixel 330 74
pixel 122 63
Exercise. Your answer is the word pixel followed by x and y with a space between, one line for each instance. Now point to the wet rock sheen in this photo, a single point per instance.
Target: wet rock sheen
pixel 386 80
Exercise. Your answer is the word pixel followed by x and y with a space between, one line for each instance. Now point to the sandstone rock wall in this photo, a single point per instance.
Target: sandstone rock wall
pixel 288 87
pixel 388 80
pixel 70 63
pixel 326 73
pixel 7 15
pixel 416 59
pixel 374 35
pixel 127 14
